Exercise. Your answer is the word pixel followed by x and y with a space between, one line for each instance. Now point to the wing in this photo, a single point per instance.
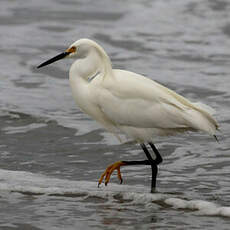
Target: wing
pixel 133 100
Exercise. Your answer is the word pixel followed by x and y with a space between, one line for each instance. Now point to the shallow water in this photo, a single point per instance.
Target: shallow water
pixel 52 155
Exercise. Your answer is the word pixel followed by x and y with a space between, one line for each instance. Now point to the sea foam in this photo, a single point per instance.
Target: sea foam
pixel 36 184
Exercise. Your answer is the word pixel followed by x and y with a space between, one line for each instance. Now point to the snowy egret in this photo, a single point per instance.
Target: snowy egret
pixel 128 103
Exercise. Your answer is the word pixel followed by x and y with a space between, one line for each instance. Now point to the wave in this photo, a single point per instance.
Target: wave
pixel 35 184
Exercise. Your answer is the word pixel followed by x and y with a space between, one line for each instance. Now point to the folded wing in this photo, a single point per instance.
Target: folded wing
pixel 135 101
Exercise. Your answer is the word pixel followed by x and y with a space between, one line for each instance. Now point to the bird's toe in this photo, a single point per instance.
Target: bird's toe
pixel 108 172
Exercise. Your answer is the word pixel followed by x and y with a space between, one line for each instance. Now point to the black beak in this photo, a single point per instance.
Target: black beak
pixel 56 58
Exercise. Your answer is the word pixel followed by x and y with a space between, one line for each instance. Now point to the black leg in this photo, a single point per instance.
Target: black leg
pixel 153 166
pixel 126 163
pixel 158 159
pixel 145 162
pixel 153 163
pixel 150 161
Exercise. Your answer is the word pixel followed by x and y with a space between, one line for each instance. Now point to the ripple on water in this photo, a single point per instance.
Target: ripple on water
pixel 184 46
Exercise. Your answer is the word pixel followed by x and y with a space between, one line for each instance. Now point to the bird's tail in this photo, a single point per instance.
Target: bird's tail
pixel 200 117
pixel 205 108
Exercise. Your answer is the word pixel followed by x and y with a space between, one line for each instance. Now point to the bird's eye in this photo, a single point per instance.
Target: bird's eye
pixel 72 49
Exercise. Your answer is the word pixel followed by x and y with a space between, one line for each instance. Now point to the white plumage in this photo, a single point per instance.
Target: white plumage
pixel 126 102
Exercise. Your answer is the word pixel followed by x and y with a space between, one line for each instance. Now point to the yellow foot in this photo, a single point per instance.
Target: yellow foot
pixel 108 172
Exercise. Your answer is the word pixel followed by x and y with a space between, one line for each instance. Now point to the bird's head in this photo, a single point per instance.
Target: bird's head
pixel 78 50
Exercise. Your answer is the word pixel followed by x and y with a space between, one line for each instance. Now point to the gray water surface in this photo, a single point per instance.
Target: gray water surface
pixel 52 155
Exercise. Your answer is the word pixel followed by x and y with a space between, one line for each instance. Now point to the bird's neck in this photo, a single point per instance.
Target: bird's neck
pixel 87 67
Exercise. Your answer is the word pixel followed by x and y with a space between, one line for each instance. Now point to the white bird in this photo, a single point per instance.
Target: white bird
pixel 129 103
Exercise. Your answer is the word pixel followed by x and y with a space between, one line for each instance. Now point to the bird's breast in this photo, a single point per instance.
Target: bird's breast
pixel 85 96
pixel 80 92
